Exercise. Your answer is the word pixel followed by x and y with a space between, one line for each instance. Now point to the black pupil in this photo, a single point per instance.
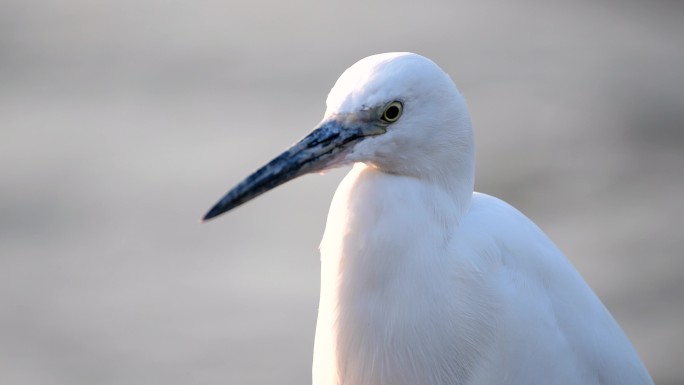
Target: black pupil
pixel 392 113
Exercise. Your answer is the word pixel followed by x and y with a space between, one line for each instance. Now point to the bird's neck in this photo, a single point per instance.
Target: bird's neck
pixel 454 170
pixel 371 206
pixel 383 255
pixel 447 174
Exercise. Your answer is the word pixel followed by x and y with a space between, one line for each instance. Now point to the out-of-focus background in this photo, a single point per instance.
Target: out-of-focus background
pixel 123 121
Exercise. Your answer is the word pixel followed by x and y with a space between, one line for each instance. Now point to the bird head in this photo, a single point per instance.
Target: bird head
pixel 397 112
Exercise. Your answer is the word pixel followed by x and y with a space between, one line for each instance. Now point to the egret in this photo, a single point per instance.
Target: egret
pixel 423 281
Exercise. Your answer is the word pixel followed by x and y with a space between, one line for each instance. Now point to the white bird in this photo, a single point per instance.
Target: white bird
pixel 423 281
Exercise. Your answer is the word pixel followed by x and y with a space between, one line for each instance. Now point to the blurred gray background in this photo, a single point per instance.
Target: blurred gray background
pixel 122 122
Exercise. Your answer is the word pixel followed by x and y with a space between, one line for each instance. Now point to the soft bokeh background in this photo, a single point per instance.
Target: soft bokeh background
pixel 123 121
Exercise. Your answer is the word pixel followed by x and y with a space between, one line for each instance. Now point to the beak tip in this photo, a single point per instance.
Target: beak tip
pixel 224 205
pixel 214 212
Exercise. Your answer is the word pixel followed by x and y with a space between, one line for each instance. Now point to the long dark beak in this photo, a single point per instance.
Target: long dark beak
pixel 318 150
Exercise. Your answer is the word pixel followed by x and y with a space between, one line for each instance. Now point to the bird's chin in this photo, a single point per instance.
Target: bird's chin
pixel 339 160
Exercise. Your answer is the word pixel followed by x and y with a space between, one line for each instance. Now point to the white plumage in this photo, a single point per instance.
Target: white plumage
pixel 424 282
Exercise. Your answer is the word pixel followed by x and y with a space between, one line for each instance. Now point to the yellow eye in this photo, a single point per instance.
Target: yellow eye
pixel 392 112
